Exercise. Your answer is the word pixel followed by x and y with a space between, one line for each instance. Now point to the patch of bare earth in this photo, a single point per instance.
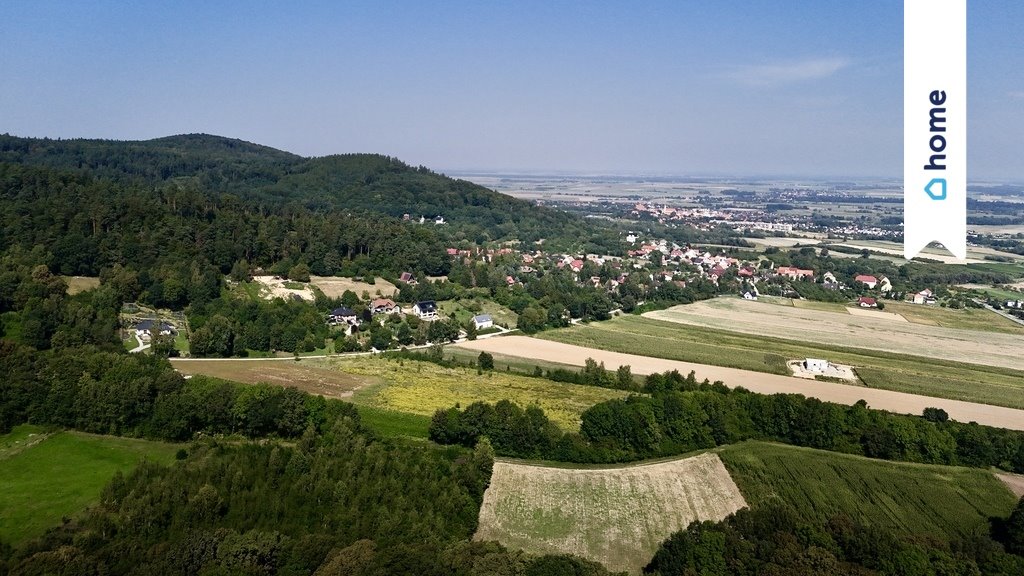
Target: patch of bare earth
pixel 313 379
pixel 760 382
pixel 843 329
pixel 616 516
pixel 275 288
pixel 1015 482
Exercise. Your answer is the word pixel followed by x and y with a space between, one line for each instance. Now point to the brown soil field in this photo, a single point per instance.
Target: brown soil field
pixel 843 329
pixel 900 402
pixel 615 516
pixel 313 379
pixel 334 287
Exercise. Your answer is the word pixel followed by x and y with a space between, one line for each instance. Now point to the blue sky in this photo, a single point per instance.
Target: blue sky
pixel 795 87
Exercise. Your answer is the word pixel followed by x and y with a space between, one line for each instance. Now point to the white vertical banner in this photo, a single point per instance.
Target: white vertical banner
pixel 935 125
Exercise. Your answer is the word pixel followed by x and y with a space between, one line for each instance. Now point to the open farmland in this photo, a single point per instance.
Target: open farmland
pixel 876 369
pixel 839 329
pixel 335 286
pixel 305 375
pixel 422 388
pixel 678 344
pixel 944 501
pixel 615 516
pixel 46 477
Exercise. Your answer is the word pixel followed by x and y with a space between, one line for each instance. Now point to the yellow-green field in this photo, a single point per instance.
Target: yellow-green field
pixel 49 476
pixel 615 516
pixel 78 284
pixel 422 388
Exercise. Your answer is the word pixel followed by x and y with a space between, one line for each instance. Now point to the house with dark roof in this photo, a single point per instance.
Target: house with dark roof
pixel 483 321
pixel 145 329
pixel 342 315
pixel 426 310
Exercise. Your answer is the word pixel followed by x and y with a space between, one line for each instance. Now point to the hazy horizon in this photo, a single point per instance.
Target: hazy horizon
pixel 809 89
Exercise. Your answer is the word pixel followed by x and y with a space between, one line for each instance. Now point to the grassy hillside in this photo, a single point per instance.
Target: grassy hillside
pixel 46 477
pixel 911 498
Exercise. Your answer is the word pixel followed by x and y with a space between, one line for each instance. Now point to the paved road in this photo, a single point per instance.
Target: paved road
pixel 901 402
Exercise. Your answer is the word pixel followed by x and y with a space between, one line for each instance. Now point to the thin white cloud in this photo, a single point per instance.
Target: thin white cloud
pixel 780 73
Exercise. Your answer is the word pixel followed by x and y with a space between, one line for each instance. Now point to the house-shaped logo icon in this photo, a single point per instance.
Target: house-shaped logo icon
pixel 936 189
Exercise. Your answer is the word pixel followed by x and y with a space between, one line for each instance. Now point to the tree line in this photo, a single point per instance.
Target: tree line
pixel 775 540
pixel 680 415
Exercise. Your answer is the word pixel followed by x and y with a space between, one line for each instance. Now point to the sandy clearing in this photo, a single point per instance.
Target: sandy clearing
pixel 901 402
pixel 844 329
pixel 616 516
pixel 1015 482
pixel 335 286
pixel 276 289
pixel 876 314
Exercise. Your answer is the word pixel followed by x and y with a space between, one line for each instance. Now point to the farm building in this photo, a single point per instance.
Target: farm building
pixel 483 321
pixel 815 365
pixel 866 302
pixel 426 310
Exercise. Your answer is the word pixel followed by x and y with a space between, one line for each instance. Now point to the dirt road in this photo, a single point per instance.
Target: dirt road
pixel 533 348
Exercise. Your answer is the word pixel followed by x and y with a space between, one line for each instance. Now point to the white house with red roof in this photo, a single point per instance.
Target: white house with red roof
pixel 867 280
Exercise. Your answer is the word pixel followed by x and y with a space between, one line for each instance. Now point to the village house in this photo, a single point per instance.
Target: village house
pixel 384 306
pixel 342 315
pixel 869 281
pixel 884 285
pixel 925 296
pixel 794 273
pixel 144 329
pixel 408 278
pixel 866 302
pixel 483 321
pixel 426 310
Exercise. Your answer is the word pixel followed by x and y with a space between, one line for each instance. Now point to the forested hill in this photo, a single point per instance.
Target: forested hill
pixel 270 179
pixel 183 211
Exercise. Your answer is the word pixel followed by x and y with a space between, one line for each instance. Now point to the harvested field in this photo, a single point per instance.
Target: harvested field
pixel 841 329
pixel 335 286
pixel 877 314
pixel 900 402
pixel 78 284
pixel 303 375
pixel 616 516
pixel 422 388
pixel 876 369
